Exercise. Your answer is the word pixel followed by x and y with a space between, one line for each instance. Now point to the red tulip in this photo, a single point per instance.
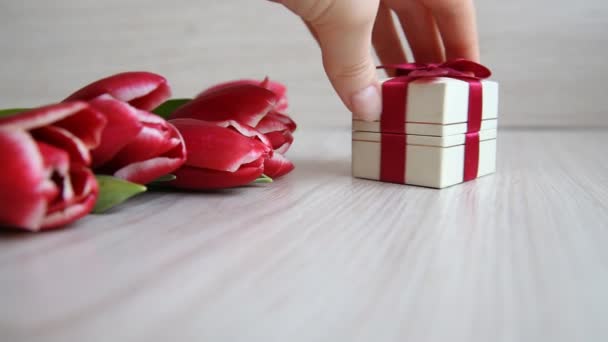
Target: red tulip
pixel 245 103
pixel 276 87
pixel 249 103
pixel 220 154
pixel 44 173
pixel 142 90
pixel 136 146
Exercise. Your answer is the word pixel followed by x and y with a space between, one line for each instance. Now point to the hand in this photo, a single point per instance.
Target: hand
pixel 347 29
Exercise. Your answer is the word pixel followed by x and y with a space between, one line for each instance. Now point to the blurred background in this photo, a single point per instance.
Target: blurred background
pixel 548 55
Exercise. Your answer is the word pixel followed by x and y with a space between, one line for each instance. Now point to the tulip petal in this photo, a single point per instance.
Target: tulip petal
pixel 284 118
pixel 276 87
pixel 147 171
pixel 218 148
pixel 87 126
pixel 277 166
pixel 153 99
pixel 56 163
pixel 245 103
pixel 123 124
pixel 229 84
pixel 202 179
pixel 155 138
pixel 25 190
pixel 76 117
pixel 282 104
pixel 271 123
pixel 280 141
pixel 143 90
pixel 278 129
pixel 279 89
pixel 57 170
pixel 42 116
pixel 167 161
pixel 245 130
pixel 64 140
pixel 86 191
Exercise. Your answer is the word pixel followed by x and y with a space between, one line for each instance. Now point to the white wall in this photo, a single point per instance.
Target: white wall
pixel 550 56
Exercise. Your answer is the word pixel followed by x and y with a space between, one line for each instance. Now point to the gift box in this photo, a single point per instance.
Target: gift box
pixel 438 127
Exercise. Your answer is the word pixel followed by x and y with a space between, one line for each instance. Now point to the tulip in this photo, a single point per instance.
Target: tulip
pixel 44 173
pixel 278 88
pixel 220 154
pixel 244 103
pixel 250 103
pixel 136 145
pixel 142 90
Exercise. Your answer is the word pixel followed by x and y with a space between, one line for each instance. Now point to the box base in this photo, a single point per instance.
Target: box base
pixel 427 166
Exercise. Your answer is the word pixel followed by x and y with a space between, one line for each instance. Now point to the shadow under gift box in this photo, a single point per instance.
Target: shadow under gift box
pixel 436 126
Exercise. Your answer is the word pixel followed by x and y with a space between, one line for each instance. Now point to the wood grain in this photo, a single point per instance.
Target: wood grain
pixel 320 256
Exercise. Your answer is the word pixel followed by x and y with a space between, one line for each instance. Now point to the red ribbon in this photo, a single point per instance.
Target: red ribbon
pixel 392 123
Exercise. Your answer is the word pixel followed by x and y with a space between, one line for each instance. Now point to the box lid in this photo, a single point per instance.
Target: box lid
pixel 425 128
pixel 444 100
pixel 426 140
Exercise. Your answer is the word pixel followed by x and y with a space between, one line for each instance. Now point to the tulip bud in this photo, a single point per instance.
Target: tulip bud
pixel 136 146
pixel 220 154
pixel 44 177
pixel 142 90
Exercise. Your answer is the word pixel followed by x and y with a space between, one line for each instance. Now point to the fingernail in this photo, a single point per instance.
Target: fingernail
pixel 366 104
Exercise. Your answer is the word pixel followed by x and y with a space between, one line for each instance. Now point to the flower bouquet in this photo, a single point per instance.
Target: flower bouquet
pixel 115 137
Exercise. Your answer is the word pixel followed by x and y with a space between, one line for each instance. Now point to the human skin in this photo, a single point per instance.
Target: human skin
pixel 347 30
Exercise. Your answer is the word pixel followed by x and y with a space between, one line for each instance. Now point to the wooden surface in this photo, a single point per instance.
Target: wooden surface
pixel 320 256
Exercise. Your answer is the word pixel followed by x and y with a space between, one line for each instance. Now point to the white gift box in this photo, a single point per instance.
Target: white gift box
pixel 435 134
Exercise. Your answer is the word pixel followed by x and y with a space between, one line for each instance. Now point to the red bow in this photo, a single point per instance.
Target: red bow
pixel 455 68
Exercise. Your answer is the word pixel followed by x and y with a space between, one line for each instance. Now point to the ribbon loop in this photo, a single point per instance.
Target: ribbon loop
pixel 454 68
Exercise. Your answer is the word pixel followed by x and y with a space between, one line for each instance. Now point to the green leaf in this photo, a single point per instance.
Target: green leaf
pixel 11 111
pixel 263 179
pixel 114 191
pixel 167 108
pixel 165 178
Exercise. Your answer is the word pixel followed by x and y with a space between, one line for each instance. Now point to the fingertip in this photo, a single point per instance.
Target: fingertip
pixel 366 103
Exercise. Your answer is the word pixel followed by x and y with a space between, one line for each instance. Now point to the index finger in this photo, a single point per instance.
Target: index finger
pixel 458 27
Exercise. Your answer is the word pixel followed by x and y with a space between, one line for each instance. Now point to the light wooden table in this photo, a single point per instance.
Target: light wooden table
pixel 319 256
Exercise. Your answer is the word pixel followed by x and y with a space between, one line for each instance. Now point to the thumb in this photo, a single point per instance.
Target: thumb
pixel 344 29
